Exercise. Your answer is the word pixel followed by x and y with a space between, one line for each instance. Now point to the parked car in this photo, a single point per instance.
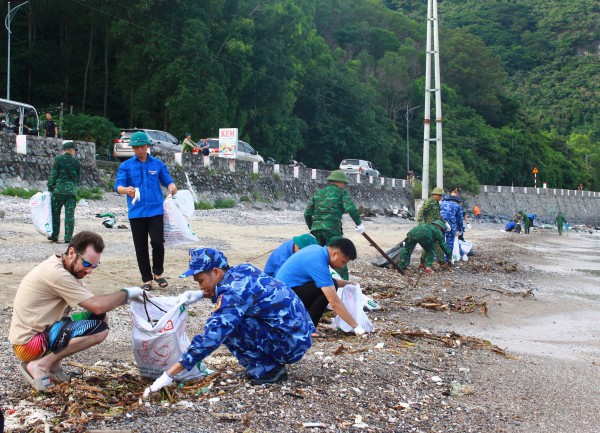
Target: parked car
pixel 355 166
pixel 160 139
pixel 245 152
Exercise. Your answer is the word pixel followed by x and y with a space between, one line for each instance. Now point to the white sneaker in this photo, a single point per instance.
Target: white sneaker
pixel 465 258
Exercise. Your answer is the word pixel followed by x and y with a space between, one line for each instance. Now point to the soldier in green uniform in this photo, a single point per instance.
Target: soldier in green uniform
pixel 429 236
pixel 526 221
pixel 560 221
pixel 324 212
pixel 64 180
pixel 430 212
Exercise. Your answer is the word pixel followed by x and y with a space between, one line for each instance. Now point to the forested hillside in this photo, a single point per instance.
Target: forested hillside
pixel 328 79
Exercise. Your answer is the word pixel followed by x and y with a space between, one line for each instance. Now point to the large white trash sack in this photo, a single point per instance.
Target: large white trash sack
pixel 41 212
pixel 185 202
pixel 159 343
pixel 352 297
pixel 177 230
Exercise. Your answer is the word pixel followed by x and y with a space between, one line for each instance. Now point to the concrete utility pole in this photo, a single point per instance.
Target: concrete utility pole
pixel 407 116
pixel 432 23
pixel 7 22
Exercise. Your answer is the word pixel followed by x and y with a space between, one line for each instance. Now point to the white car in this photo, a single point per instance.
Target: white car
pixel 356 166
pixel 245 152
pixel 160 139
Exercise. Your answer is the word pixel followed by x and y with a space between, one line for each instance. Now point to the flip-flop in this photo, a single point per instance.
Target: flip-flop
pixel 147 286
pixel 162 283
pixel 39 384
pixel 61 375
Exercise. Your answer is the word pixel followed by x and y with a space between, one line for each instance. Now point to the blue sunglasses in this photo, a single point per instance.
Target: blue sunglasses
pixel 85 263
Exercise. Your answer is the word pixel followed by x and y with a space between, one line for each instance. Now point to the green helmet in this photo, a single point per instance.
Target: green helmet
pixel 139 139
pixel 440 224
pixel 437 191
pixel 338 176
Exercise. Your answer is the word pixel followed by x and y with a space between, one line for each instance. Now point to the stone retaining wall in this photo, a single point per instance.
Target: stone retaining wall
pixel 281 186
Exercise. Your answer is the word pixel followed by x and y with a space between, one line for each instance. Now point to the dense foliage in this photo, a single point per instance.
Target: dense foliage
pixel 329 79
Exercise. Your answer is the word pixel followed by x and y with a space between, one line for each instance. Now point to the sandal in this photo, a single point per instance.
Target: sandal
pixel 147 286
pixel 162 283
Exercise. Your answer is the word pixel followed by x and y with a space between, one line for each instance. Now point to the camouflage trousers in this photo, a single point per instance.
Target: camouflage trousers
pixel 325 237
pixel 438 253
pixel 57 203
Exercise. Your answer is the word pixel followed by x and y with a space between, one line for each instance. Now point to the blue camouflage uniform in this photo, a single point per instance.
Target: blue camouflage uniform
pixel 452 212
pixel 259 319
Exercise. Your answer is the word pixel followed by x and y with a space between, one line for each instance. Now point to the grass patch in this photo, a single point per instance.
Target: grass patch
pixel 19 192
pixel 244 198
pixel 224 203
pixel 95 193
pixel 203 205
pixel 255 176
pixel 259 197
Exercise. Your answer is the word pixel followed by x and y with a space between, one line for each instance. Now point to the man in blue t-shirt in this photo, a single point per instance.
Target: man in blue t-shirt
pixel 307 273
pixel 285 251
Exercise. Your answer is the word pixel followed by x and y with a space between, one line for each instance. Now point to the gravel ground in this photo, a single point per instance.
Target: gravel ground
pixel 503 343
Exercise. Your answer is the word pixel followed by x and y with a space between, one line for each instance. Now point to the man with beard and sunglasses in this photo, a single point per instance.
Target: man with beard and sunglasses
pixel 41 331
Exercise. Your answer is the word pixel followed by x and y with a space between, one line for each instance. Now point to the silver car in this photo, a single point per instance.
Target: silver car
pixel 358 166
pixel 160 139
pixel 245 152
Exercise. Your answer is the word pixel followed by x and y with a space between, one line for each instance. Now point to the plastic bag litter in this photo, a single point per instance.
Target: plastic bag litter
pixel 352 297
pixel 456 251
pixel 177 230
pixel 159 337
pixel 465 246
pixel 41 212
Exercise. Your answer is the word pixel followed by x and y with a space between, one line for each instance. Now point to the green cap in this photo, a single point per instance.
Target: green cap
pixel 338 176
pixel 437 191
pixel 304 240
pixel 139 139
pixel 440 224
pixel 68 145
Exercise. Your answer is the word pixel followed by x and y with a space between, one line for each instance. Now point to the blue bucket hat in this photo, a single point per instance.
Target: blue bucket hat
pixel 204 259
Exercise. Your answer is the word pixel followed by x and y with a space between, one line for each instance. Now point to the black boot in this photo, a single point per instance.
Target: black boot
pixel 274 376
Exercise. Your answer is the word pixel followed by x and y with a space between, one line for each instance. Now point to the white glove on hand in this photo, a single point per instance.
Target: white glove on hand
pixel 468 227
pixel 360 228
pixel 134 294
pixel 137 196
pixel 161 382
pixel 448 228
pixel 359 330
pixel 190 296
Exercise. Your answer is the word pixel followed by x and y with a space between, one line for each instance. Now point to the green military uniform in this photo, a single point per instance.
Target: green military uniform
pixel 188 145
pixel 429 236
pixel 324 212
pixel 526 221
pixel 63 182
pixel 560 221
pixel 430 212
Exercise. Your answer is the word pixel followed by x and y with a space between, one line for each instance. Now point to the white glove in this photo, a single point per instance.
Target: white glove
pixel 161 382
pixel 134 294
pixel 137 196
pixel 190 296
pixel 359 330
pixel 448 228
pixel 360 228
pixel 468 227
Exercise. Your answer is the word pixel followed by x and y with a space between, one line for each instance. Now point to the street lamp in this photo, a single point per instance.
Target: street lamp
pixel 7 21
pixel 407 116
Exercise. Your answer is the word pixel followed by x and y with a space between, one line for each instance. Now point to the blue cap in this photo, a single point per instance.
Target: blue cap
pixel 139 138
pixel 204 259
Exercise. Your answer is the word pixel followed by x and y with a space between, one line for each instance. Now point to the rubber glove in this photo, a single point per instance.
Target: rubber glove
pixel 360 228
pixel 468 227
pixel 137 196
pixel 359 330
pixel 190 296
pixel 448 228
pixel 134 294
pixel 161 382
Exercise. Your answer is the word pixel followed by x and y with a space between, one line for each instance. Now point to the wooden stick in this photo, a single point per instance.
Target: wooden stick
pixel 393 263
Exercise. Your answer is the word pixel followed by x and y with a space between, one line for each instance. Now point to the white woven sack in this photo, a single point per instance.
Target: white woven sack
pixel 41 212
pixel 185 202
pixel 159 343
pixel 177 230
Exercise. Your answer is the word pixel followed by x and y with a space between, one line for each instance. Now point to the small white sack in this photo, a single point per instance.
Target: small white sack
pixel 465 246
pixel 185 202
pixel 455 251
pixel 158 344
pixel 352 298
pixel 41 212
pixel 176 227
